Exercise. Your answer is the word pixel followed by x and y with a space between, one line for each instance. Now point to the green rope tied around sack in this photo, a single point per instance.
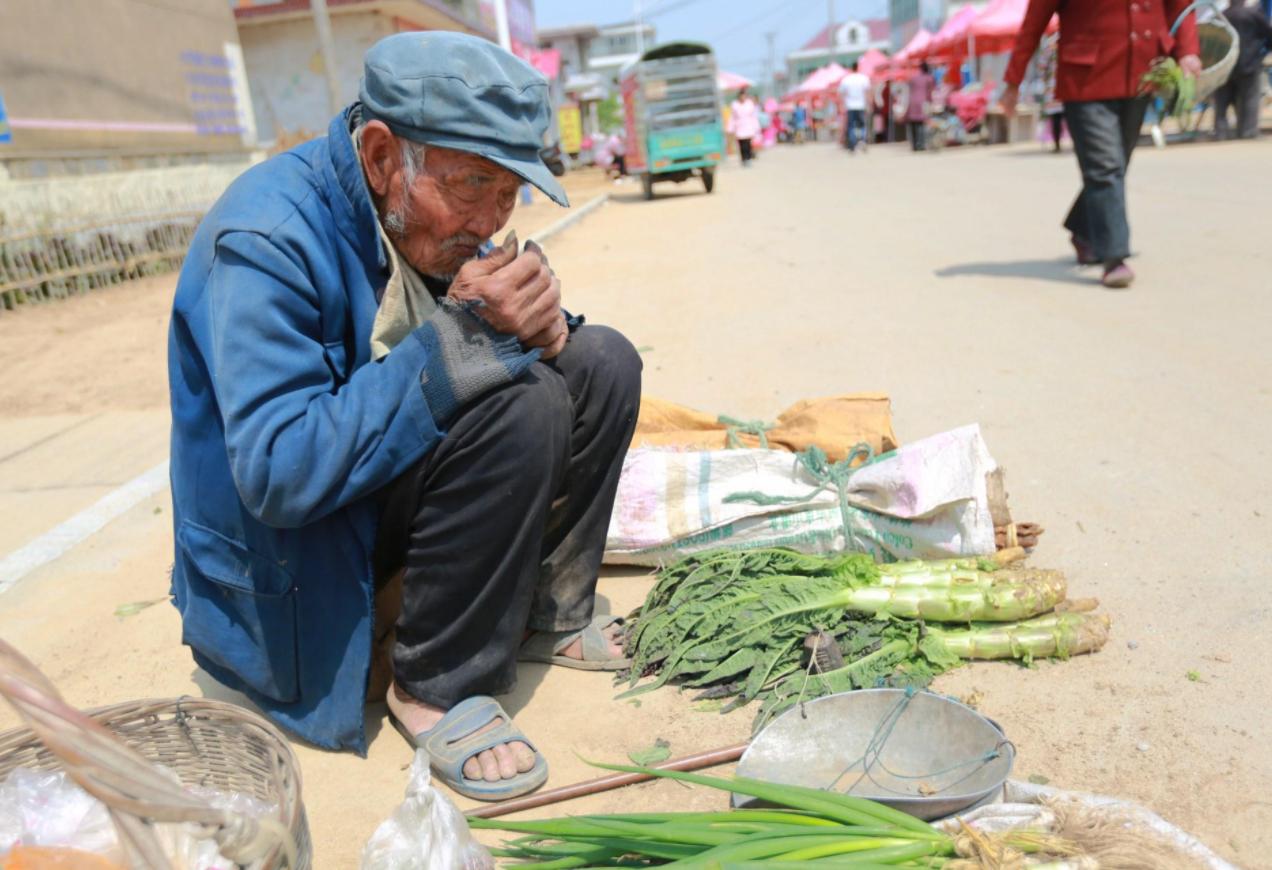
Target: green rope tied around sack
pixel 736 428
pixel 826 473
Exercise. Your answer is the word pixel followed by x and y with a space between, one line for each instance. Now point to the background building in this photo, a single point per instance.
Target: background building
pixel 908 16
pixel 842 43
pixel 617 45
pixel 95 84
pixel 285 65
pixel 126 119
pixel 591 59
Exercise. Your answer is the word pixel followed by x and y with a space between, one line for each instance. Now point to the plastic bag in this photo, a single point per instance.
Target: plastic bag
pixel 425 832
pixel 1113 831
pixel 46 808
pixel 190 852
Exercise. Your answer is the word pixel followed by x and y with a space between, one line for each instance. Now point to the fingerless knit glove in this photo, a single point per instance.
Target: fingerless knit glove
pixel 466 357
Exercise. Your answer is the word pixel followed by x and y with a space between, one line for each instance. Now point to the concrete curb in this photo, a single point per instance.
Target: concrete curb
pixel 66 535
pixel 570 219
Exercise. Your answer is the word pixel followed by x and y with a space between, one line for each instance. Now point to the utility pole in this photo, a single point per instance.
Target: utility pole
pixel 322 21
pixel 640 27
pixel 501 25
pixel 830 30
pixel 772 63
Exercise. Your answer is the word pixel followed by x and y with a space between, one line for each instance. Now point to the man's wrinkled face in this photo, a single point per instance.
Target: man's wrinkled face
pixel 454 203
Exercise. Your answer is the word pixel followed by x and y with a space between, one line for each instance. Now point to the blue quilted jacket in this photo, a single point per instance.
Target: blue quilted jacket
pixel 282 430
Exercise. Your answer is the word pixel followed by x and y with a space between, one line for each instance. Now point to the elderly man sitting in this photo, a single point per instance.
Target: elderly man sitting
pixel 372 406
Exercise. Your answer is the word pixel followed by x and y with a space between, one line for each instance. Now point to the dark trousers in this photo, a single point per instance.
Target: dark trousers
pixel 855 128
pixel 918 135
pixel 1104 134
pixel 1241 92
pixel 744 146
pixel 502 526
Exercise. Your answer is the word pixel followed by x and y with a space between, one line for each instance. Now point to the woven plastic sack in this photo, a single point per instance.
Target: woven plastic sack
pixel 425 832
pixel 926 500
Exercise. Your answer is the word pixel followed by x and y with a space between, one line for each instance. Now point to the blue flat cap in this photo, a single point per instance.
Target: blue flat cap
pixel 458 91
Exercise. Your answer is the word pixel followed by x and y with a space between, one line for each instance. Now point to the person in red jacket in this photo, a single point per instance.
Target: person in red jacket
pixel 1106 46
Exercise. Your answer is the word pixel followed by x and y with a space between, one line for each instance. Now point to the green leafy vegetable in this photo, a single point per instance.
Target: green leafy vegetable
pixel 1166 80
pixel 132 608
pixel 656 754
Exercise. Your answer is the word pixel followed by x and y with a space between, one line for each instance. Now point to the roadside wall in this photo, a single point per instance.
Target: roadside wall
pixel 121 76
pixel 286 74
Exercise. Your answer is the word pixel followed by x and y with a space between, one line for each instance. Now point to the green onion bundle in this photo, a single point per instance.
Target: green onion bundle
pixel 1166 80
pixel 811 828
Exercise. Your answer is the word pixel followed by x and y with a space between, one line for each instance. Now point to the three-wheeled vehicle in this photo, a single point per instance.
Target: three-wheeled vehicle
pixel 672 110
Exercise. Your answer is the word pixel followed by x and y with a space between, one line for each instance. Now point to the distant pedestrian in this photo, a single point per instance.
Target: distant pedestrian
pixel 916 113
pixel 799 122
pixel 854 90
pixel 1244 89
pixel 744 123
pixel 1052 109
pixel 1105 49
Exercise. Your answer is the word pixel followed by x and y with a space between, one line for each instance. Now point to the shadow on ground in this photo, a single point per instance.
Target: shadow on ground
pixel 1059 269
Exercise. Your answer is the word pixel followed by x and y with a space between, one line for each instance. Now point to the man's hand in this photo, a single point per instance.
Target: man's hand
pixel 1009 99
pixel 552 339
pixel 520 295
pixel 1190 65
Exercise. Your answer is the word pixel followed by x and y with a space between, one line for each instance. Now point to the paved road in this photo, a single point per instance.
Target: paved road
pixel 1133 426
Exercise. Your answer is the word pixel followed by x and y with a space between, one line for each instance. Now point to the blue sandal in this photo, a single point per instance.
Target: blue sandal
pixel 546 647
pixel 455 739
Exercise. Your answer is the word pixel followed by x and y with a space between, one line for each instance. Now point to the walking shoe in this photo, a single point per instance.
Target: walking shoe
pixel 1117 276
pixel 1086 256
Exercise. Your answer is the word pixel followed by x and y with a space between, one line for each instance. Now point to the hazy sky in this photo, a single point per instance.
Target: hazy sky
pixel 734 28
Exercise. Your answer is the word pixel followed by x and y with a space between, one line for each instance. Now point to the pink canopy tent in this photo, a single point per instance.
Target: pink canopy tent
pixel 822 79
pixel 951 39
pixel 872 63
pixel 995 29
pixel 916 48
pixel 727 81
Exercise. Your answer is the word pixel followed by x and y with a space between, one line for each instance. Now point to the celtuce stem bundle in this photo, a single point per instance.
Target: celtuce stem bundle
pixel 733 623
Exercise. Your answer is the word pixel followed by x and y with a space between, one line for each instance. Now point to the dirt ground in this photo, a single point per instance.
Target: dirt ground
pixel 1132 425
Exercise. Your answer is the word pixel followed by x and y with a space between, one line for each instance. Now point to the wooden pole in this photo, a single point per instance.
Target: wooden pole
pixel 607 783
pixel 322 23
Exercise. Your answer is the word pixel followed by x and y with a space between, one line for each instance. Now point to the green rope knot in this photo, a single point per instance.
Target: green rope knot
pixel 827 474
pixel 736 428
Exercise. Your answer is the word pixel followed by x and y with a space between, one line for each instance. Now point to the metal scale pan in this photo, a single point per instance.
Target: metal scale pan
pixel 919 752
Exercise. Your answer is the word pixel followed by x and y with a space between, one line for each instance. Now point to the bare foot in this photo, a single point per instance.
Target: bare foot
pixel 502 762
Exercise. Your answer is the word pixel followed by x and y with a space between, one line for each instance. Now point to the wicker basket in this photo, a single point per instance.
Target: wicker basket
pixel 110 752
pixel 1218 49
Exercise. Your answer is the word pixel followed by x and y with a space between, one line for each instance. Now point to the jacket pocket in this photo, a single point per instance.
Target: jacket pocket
pixel 240 611
pixel 1079 52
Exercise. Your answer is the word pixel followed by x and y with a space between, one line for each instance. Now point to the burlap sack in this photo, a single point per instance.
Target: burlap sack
pixel 835 424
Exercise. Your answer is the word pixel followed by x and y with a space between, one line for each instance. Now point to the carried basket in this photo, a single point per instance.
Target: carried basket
pixel 1218 47
pixel 111 753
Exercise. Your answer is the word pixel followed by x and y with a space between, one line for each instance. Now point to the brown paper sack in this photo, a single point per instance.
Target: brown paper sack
pixel 836 424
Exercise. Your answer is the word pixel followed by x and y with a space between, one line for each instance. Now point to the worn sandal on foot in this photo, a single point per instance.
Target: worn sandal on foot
pixel 458 737
pixel 546 646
